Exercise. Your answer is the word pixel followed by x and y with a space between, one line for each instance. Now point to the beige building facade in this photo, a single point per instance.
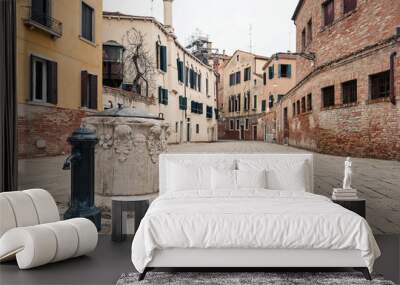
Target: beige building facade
pixel 59 55
pixel 183 89
pixel 279 77
pixel 243 101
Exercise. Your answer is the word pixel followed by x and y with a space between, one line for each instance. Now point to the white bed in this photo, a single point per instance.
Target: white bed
pixel 201 220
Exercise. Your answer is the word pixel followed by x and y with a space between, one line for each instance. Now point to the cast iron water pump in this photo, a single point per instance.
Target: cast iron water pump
pixel 81 163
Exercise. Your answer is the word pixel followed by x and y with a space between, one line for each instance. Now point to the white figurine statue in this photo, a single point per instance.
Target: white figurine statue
pixel 347 174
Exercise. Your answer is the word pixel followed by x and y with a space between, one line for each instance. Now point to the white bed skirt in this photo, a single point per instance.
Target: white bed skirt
pixel 189 257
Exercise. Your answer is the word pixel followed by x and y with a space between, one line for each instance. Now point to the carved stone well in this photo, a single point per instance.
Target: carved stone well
pixel 130 141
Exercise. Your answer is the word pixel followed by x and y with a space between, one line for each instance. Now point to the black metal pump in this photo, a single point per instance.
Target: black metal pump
pixel 81 163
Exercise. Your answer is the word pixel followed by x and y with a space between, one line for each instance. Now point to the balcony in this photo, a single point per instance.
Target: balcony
pixel 45 23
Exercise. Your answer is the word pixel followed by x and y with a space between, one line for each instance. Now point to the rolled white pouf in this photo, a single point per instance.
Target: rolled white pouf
pixel 46 207
pixel 87 235
pixel 33 246
pixel 23 208
pixel 67 240
pixel 7 218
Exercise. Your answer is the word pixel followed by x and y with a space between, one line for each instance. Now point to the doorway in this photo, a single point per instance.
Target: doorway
pixel 188 128
pixel 255 133
pixel 242 132
pixel 285 125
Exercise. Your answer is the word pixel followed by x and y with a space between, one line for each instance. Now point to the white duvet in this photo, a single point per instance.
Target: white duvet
pixel 250 219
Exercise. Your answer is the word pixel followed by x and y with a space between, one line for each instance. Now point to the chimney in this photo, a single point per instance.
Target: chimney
pixel 168 15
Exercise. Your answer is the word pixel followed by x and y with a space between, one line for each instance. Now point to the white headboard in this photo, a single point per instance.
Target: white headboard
pixel 204 159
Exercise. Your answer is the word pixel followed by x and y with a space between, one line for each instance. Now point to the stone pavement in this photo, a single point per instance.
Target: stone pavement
pixel 378 181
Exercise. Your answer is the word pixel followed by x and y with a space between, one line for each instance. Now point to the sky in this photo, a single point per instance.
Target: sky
pixel 230 24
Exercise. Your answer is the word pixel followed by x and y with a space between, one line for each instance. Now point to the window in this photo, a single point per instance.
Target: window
pixel 263 105
pixel 271 101
pixel 247 73
pixel 309 102
pixel 280 97
pixel 88 90
pixel 197 128
pixel 255 102
pixel 162 96
pixel 196 108
pixel 285 70
pixel 209 112
pixel 298 107
pixel 237 58
pixel 349 5
pixel 161 57
pixel 176 127
pixel 238 103
pixel 329 12
pixel 187 76
pixel 232 79
pixel 380 85
pixel 246 105
pixel 180 67
pixel 199 82
pixel 265 78
pixel 87 22
pixel 41 11
pixel 207 86
pixel 255 82
pixel 271 72
pixel 328 96
pixel 303 104
pixel 182 103
pixel 303 40
pixel 309 32
pixel 246 124
pixel 216 111
pixel 238 76
pixel 349 91
pixel 294 109
pixel 237 124
pixel 43 80
pixel 231 125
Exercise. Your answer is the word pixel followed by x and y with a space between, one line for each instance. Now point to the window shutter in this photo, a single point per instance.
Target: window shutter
pixel 84 88
pixel 93 92
pixel 31 79
pixel 157 55
pixel 160 94
pixel 52 82
pixel 166 96
pixel 289 70
pixel 279 70
pixel 263 105
pixel 163 58
pixel 199 83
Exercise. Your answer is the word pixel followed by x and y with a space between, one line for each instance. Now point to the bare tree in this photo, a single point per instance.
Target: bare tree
pixel 138 62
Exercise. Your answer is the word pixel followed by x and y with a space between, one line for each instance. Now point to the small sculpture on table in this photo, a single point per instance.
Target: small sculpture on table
pixel 346 192
pixel 347 174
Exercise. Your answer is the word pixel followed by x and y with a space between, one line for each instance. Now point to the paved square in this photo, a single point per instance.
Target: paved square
pixel 378 181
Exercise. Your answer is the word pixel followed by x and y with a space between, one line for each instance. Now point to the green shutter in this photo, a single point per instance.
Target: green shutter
pixel 289 70
pixel 279 70
pixel 163 58
pixel 263 105
pixel 160 94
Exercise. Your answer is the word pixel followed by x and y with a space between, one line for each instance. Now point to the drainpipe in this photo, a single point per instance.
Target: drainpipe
pixel 392 83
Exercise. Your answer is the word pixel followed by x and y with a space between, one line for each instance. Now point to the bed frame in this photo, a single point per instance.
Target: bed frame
pixel 260 259
pixel 237 259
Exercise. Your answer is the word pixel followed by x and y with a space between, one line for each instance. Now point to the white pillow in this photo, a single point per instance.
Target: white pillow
pixel 223 179
pixel 290 177
pixel 251 178
pixel 188 177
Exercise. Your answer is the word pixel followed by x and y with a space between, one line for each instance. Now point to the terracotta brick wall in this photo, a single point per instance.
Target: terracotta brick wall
pixel 43 131
pixel 368 128
pixel 371 22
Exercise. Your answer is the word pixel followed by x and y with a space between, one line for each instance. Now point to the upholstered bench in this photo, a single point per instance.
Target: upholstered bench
pixel 31 230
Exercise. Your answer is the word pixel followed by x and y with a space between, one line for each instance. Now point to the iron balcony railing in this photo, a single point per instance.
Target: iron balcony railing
pixel 44 22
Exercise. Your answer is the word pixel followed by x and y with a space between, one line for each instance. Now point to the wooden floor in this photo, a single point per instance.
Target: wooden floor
pixel 110 260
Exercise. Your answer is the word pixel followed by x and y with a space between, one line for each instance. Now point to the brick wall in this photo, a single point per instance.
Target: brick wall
pixel 370 22
pixel 43 131
pixel 367 128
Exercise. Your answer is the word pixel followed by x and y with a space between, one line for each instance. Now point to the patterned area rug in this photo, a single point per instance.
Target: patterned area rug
pixel 242 278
